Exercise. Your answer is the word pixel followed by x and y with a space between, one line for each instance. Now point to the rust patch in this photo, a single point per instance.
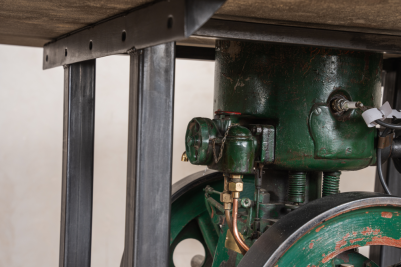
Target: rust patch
pixel 311 245
pixel 368 231
pixel 342 242
pixel 320 228
pixel 354 233
pixel 356 240
pixel 335 253
pixel 385 241
pixel 387 215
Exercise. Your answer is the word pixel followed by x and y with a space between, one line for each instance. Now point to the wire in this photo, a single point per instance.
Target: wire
pixel 380 172
pixel 388 125
pixel 385 132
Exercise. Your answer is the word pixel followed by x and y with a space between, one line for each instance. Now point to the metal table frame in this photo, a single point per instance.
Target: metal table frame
pixel 148 34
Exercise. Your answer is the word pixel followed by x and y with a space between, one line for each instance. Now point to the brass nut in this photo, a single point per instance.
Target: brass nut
pixel 237 187
pixel 236 176
pixel 227 206
pixel 226 198
pixel 235 194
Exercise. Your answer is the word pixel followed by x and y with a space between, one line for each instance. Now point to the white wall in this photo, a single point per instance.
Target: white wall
pixel 31 108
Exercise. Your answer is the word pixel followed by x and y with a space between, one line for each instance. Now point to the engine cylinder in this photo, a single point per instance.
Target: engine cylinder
pixel 293 88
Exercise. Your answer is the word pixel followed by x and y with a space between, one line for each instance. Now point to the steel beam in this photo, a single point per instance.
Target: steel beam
pixel 150 146
pixel 224 29
pixel 77 176
pixel 152 24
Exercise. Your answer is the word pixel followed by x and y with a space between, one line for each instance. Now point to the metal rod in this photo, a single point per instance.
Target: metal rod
pixel 150 146
pixel 228 220
pixel 77 174
pixel 236 235
pixel 215 204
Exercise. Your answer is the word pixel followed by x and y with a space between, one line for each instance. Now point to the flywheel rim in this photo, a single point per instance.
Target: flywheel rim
pixel 271 247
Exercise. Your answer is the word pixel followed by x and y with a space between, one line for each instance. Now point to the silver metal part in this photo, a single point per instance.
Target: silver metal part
pixel 197 261
pixel 341 105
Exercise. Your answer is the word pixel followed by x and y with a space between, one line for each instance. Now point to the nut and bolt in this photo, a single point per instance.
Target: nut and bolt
pixel 246 202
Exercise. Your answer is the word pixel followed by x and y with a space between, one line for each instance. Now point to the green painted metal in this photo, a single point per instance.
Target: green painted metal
pixel 265 148
pixel 204 139
pixel 291 88
pixel 357 228
pixel 296 186
pixel 352 258
pixel 331 183
pixel 208 232
pixel 188 213
pixel 199 131
pixel 239 152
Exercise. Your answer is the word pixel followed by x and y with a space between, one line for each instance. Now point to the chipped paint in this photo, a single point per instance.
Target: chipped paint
pixel 320 228
pixel 342 242
pixel 385 241
pixel 369 231
pixel 387 215
pixel 356 240
pixel 335 253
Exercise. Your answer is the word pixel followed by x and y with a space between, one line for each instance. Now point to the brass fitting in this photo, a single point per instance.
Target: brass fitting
pixel 184 157
pixel 227 205
pixel 235 194
pixel 225 197
pixel 236 186
pixel 236 176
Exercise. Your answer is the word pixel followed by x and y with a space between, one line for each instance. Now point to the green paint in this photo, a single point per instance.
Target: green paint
pixel 369 226
pixel 296 186
pixel 190 211
pixel 353 258
pixel 331 183
pixel 199 131
pixel 284 85
pixel 208 232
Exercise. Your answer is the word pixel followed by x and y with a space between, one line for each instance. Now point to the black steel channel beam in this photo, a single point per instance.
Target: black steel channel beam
pixel 195 53
pixel 77 176
pixel 391 81
pixel 225 29
pixel 150 147
pixel 152 24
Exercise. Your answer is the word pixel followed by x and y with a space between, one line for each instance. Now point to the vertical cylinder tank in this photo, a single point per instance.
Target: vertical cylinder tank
pixel 293 88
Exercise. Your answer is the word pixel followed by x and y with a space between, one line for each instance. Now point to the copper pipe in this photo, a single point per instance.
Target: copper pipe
pixel 235 227
pixel 228 220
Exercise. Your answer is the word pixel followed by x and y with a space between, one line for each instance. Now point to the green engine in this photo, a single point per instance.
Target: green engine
pixel 287 121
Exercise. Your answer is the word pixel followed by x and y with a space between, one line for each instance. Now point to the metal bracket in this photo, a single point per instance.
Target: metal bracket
pixel 152 24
